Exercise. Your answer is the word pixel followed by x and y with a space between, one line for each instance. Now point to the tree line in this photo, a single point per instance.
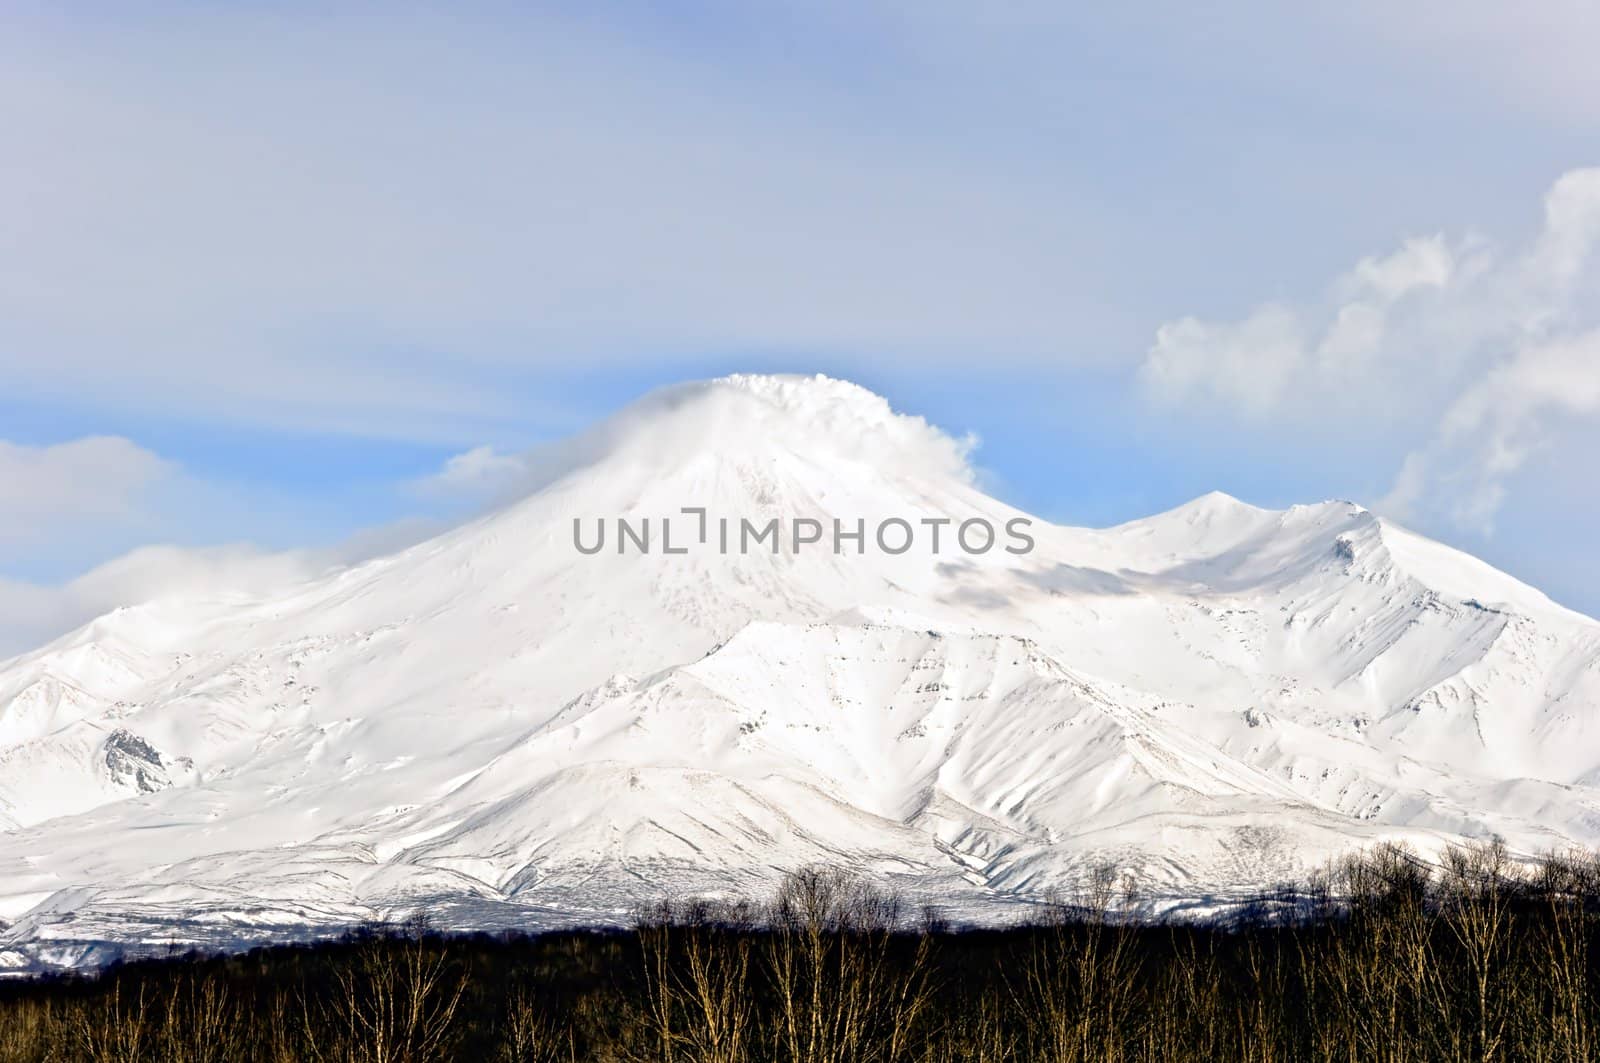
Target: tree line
pixel 1386 957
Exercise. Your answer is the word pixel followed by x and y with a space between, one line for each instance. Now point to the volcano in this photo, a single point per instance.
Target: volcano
pixel 504 729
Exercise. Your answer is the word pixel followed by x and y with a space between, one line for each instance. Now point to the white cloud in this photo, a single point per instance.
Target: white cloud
pixel 46 491
pixel 101 493
pixel 1492 429
pixel 1249 363
pixel 1288 355
pixel 31 614
pixel 1419 263
pixel 474 475
pixel 1500 344
pixel 66 506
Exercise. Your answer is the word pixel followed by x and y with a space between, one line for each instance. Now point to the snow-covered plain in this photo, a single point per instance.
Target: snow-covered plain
pixel 501 729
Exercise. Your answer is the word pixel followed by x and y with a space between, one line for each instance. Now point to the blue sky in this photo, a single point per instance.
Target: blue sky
pixel 264 268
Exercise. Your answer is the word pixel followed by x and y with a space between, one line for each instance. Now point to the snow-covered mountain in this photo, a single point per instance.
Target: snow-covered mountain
pixel 510 731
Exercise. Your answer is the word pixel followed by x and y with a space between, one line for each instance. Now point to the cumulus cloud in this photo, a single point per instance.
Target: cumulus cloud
pixel 1281 355
pixel 1502 343
pixel 1249 362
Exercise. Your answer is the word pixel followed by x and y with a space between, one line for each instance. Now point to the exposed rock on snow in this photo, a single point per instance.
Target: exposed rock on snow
pixel 133 762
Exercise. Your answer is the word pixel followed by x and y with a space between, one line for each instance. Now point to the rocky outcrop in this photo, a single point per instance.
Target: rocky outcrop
pixel 135 763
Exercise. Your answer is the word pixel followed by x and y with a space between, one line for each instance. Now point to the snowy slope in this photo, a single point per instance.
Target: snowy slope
pixel 512 732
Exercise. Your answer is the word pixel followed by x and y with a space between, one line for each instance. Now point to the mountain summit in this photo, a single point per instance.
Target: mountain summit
pixel 509 729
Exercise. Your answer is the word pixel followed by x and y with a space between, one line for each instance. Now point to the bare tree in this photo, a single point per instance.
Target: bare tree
pixel 530 1034
pixel 1475 906
pixel 115 1029
pixel 1081 977
pixel 395 1002
pixel 829 962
